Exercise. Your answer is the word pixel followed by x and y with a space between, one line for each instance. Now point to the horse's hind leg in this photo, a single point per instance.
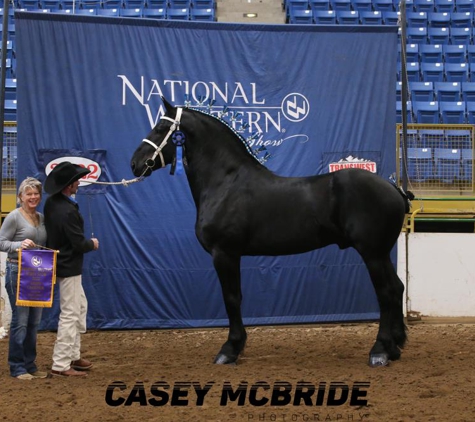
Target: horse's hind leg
pixel 392 331
pixel 229 273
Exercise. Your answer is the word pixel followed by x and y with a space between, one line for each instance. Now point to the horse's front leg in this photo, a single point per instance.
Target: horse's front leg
pixel 228 269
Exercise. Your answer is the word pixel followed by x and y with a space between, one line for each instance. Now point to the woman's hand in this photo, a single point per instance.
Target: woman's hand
pixel 27 243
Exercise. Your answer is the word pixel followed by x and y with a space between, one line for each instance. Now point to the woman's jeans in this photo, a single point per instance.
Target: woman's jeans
pixel 23 328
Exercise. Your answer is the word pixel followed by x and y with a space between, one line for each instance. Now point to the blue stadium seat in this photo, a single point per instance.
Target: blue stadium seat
pixel 408 112
pixel 464 5
pixel 203 4
pixel 431 53
pixel 50 4
pixel 324 17
pixel 456 72
pixel 432 72
pixel 455 53
pixel 300 16
pixel 470 107
pixel 470 53
pixel 348 17
pixel 416 19
pixel 109 12
pixel 131 13
pixel 178 14
pixel 290 5
pixel 447 91
pixel 391 17
pixel 426 111
pixel 157 4
pixel 461 20
pixel 419 164
pixel 362 5
pixel 186 4
pixel 154 13
pixel 438 19
pixel 340 5
pixel 444 6
pixel 29 4
pixel 417 35
pixel 458 138
pixel 424 6
pixel 10 110
pixel 412 52
pixel 383 5
pixel 413 72
pixel 468 91
pixel 91 4
pixel 422 91
pixel 452 112
pixel 432 138
pixel 412 138
pixel 208 15
pixel 86 12
pixel 112 4
pixel 320 5
pixel 447 164
pixel 10 88
pixel 460 35
pixel 467 159
pixel 398 90
pixel 438 35
pixel 371 18
pixel 134 4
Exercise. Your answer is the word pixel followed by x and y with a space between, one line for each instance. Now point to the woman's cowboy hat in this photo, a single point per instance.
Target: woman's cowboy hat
pixel 63 175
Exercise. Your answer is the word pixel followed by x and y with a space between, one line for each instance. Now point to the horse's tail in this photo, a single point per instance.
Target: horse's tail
pixel 408 196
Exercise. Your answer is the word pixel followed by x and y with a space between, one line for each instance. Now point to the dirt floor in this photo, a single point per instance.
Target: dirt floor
pixel 164 375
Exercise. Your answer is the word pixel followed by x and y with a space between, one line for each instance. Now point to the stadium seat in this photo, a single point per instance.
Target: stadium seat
pixel 452 112
pixel 458 138
pixel 300 16
pixel 444 6
pixel 134 4
pixel 438 35
pixel 186 4
pixel 290 5
pixel 426 111
pixel 340 5
pixel 324 17
pixel 438 19
pixel 157 4
pixel 320 5
pixel 464 5
pixel 203 4
pixel 131 13
pixel 91 4
pixel 470 53
pixel 109 12
pixel 456 72
pixel 348 17
pixel 468 91
pixel 455 53
pixel 154 13
pixel 467 159
pixel 409 118
pixel 29 4
pixel 391 18
pixel 416 19
pixel 419 164
pixel 50 4
pixel 371 18
pixel 178 14
pixel 432 138
pixel 432 72
pixel 412 138
pixel 383 5
pixel 10 110
pixel 208 15
pixel 413 72
pixel 431 53
pixel 10 89
pixel 447 91
pixel 424 6
pixel 422 91
pixel 418 35
pixel 470 107
pixel 460 35
pixel 362 5
pixel 461 20
pixel 447 164
pixel 86 12
pixel 412 52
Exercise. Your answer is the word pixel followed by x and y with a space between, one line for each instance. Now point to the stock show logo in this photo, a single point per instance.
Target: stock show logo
pixel 351 162
pixel 36 261
pixel 257 119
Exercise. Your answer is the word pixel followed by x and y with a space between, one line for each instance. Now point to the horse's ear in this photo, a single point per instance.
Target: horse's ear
pixel 167 105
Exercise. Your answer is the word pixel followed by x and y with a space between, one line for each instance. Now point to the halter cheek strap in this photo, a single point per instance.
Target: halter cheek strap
pixel 158 149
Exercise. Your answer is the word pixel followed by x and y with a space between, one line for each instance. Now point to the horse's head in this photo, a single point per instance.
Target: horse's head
pixel 158 148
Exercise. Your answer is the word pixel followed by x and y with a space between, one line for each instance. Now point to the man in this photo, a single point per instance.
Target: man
pixel 65 232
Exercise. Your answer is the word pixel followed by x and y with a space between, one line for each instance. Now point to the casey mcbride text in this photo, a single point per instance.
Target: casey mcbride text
pixel 260 393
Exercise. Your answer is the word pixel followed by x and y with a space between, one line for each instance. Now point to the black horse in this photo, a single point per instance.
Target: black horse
pixel 245 209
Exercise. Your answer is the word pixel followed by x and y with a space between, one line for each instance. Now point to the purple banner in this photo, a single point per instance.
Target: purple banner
pixel 36 277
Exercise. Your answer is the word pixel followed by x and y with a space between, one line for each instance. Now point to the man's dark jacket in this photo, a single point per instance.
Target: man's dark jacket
pixel 65 230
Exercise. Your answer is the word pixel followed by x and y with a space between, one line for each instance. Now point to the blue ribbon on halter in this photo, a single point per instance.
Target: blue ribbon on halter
pixel 178 139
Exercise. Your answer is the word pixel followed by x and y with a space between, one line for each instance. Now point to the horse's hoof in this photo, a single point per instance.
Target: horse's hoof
pixel 222 359
pixel 378 359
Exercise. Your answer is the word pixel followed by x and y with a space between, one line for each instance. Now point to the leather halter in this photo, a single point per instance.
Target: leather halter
pixel 149 163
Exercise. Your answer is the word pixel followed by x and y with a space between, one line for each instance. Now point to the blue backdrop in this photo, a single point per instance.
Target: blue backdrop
pixel 322 98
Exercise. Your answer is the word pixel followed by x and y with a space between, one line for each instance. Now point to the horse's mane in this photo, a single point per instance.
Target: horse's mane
pixel 253 152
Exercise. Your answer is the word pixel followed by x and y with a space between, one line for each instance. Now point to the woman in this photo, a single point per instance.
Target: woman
pixel 23 228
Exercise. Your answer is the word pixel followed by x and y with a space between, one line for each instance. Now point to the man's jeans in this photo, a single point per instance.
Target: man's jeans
pixel 23 328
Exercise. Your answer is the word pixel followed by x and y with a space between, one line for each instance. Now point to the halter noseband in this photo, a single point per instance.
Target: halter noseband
pixel 149 163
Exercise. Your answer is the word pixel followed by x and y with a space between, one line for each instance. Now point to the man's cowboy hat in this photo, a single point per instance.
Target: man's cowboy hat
pixel 63 175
